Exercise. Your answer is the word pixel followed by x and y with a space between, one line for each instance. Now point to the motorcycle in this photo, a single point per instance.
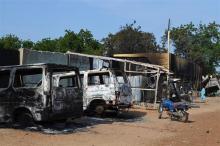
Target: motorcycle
pixel 175 110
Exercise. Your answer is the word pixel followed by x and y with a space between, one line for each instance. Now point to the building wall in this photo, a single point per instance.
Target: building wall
pixel 31 56
pixel 9 57
pixel 83 63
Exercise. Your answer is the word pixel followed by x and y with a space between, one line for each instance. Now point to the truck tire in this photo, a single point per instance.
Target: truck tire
pixel 24 119
pixel 99 109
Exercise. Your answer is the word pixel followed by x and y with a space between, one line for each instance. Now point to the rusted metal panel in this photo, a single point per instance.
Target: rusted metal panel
pixel 136 81
pixel 182 68
pixel 111 59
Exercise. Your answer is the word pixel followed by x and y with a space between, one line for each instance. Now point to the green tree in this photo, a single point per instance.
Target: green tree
pixel 82 42
pixel 90 45
pixel 182 39
pixel 130 39
pixel 46 44
pixel 208 37
pixel 27 44
pixel 10 42
pixel 200 44
pixel 70 42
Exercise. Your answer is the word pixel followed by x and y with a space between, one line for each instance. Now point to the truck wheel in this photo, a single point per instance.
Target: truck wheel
pixel 24 119
pixel 99 109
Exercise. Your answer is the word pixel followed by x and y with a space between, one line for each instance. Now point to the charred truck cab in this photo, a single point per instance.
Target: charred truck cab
pixel 31 93
pixel 105 89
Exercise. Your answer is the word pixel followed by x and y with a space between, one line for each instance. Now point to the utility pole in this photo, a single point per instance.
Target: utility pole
pixel 168 44
pixel 168 57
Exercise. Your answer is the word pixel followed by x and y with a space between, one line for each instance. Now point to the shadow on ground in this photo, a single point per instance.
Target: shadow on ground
pixel 130 116
pixel 80 125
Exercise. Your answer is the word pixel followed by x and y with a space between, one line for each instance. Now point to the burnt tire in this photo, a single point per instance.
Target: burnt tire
pixel 99 109
pixel 24 119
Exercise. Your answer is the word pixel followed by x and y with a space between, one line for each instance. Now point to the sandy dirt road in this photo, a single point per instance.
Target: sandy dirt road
pixel 139 127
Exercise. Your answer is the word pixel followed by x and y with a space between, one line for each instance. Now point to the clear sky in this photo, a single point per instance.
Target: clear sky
pixel 37 19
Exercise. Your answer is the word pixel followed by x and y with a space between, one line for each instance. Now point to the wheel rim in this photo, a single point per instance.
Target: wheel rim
pixel 99 109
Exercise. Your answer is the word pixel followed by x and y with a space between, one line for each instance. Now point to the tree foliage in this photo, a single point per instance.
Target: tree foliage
pixel 10 42
pixel 200 44
pixel 82 42
pixel 70 42
pixel 91 45
pixel 46 44
pixel 27 44
pixel 130 39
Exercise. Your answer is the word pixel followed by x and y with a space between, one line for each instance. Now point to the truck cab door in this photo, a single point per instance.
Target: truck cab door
pixel 58 96
pixel 66 95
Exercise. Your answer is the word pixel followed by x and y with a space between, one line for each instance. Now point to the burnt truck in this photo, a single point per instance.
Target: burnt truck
pixel 30 93
pixel 105 89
